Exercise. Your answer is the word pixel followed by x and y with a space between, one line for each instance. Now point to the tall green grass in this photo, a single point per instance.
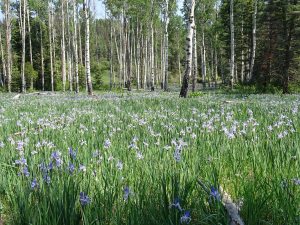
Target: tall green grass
pixel 257 167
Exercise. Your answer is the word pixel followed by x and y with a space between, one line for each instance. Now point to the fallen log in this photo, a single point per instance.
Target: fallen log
pixel 231 208
pixel 34 93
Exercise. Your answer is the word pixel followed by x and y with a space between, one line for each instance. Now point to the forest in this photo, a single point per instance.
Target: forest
pixel 63 46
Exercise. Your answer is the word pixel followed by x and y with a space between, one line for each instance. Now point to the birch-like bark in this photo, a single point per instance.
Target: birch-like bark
pixel 178 57
pixel 253 50
pixel 195 61
pixel 80 41
pixel 162 60
pixel 216 68
pixel 50 44
pixel 42 59
pixel 166 42
pixel 138 57
pixel 289 27
pixel 119 53
pixel 69 53
pixel 75 45
pixel 152 65
pixel 232 43
pixel 111 53
pixel 203 60
pixel 54 43
pixel 3 78
pixel 189 47
pixel 212 63
pixel 87 47
pixel 243 54
pixel 128 56
pixel 8 44
pixel 23 35
pixel 145 62
pixel 63 47
pixel 124 50
pixel 29 36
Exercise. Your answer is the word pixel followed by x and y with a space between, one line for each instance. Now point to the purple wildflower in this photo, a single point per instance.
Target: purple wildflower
pixel 20 145
pixel 25 171
pixel 34 184
pixel 127 192
pixel 176 204
pixel 72 153
pixel 47 179
pixel 186 218
pixel 296 181
pixel 82 168
pixel 84 199
pixel 71 167
pixel 57 157
pixel 107 143
pixel 43 167
pixel 120 165
pixel 215 193
pixel 96 154
pixel 50 166
pixel 21 162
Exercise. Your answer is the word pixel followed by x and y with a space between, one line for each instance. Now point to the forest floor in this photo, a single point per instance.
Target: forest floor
pixel 149 158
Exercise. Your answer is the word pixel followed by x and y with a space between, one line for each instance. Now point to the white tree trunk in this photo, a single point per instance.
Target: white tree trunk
pixel 203 60
pixel 63 47
pixel 75 45
pixel 8 44
pixel 50 45
pixel 69 52
pixel 138 57
pixel 189 48
pixel 119 52
pixel 152 65
pixel 111 53
pixel 22 12
pixel 195 61
pixel 3 78
pixel 80 42
pixel 232 43
pixel 42 59
pixel 166 50
pixel 253 51
pixel 29 36
pixel 216 68
pixel 243 54
pixel 145 62
pixel 87 47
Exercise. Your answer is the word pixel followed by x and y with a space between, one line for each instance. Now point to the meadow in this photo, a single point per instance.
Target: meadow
pixel 137 159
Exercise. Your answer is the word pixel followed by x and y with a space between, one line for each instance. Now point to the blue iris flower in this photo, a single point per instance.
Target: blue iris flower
pixel 126 193
pixel 84 199
pixel 215 193
pixel 25 171
pixel 176 204
pixel 34 184
pixel 186 218
pixel 71 168
pixel 72 153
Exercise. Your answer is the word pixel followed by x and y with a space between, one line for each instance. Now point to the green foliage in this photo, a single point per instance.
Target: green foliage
pixel 98 70
pixel 16 80
pixel 295 88
pixel 30 73
pixel 196 94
